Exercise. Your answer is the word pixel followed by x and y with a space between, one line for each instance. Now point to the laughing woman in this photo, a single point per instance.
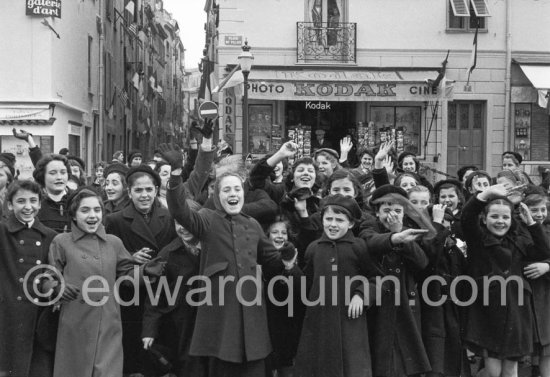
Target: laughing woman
pixel 144 228
pixel 232 336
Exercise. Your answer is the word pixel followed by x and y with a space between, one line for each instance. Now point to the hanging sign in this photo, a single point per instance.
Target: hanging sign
pixel 43 8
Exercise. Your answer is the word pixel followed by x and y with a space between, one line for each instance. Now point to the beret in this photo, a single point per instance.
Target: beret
pixel 516 155
pixel 330 151
pixel 387 189
pixel 403 155
pixel 363 151
pixel 133 154
pixel 116 167
pixel 477 173
pixel 453 182
pixel 144 169
pixel 460 172
pixel 9 160
pixel 78 160
pixel 348 203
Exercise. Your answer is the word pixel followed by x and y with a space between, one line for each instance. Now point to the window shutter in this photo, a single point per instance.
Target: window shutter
pixel 480 8
pixel 460 8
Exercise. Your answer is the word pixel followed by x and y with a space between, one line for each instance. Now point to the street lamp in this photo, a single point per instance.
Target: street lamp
pixel 245 61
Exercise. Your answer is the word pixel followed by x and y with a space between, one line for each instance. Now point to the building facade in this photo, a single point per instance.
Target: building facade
pixel 78 74
pixel 363 68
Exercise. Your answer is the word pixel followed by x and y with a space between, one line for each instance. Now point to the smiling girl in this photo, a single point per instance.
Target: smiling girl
pixel 501 333
pixel 89 338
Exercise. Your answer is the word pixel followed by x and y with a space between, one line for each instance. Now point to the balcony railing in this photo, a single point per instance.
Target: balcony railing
pixel 326 42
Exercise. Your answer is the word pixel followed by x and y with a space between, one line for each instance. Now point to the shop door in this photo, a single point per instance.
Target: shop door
pixel 466 131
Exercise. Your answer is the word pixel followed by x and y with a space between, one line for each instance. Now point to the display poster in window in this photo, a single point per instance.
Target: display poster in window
pixel 260 120
pixel 522 127
pixel 276 137
pixel 301 135
pixel 399 124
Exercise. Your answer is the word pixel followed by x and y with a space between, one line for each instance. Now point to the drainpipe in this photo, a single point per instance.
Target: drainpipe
pixel 100 125
pixel 507 78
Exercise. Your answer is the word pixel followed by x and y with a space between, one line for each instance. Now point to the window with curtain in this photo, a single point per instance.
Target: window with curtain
pixel 326 14
pixel 464 15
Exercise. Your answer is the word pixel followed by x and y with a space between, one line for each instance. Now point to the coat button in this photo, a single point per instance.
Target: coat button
pixel 413 294
pixel 38 261
pixel 398 270
pixel 21 280
pixel 21 242
pixel 332 260
pixel 21 260
pixel 19 298
pixel 38 243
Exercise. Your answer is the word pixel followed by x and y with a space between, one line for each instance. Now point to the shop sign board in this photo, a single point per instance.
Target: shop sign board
pixel 343 91
pixel 43 8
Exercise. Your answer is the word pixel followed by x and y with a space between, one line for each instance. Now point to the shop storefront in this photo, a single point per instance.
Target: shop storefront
pixel 369 106
pixel 530 120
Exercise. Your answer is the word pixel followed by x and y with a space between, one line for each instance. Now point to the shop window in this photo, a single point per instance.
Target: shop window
pixel 465 15
pixel 531 132
pixel 398 123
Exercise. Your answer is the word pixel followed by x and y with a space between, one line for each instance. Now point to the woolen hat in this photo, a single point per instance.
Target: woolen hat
pixel 516 155
pixel 345 202
pixel 133 154
pixel 387 189
pixel 9 160
pixel 402 157
pixel 453 182
pixel 330 151
pixel 78 160
pixel 116 167
pixel 460 172
pixel 144 169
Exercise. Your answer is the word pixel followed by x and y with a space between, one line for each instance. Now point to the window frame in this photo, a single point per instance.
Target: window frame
pixel 466 21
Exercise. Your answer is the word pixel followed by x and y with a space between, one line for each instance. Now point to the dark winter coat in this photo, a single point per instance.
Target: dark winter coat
pixel 541 301
pixel 505 331
pixel 396 330
pixel 55 215
pixel 21 249
pixel 171 323
pixel 130 226
pixel 116 206
pixel 333 344
pixel 441 322
pixel 232 246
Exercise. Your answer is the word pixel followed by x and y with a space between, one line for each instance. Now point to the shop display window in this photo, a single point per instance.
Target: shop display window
pixel 398 123
pixel 531 132
pixel 261 130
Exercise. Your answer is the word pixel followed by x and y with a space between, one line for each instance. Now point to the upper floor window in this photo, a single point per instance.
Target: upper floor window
pixel 467 14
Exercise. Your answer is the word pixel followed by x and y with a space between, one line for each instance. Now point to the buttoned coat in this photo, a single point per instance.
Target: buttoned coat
pixel 89 338
pixel 130 226
pixel 21 248
pixel 233 247
pixel 332 344
pixel 396 329
pixel 541 300
pixel 505 331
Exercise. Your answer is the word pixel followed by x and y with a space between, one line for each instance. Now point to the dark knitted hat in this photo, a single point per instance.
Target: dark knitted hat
pixel 9 160
pixel 516 155
pixel 345 202
pixel 453 182
pixel 402 157
pixel 78 160
pixel 144 169
pixel 387 189
pixel 134 153
pixel 116 167
pixel 460 172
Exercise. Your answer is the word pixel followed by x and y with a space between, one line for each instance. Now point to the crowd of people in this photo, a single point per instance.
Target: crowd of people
pixel 368 270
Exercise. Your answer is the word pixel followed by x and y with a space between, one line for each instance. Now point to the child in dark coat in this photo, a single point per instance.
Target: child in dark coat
pixel 334 339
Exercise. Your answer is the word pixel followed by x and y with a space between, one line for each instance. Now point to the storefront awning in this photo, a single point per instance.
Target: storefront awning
pixel 339 85
pixel 539 75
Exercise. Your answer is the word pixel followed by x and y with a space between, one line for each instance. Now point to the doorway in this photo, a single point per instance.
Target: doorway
pixel 466 134
pixel 337 119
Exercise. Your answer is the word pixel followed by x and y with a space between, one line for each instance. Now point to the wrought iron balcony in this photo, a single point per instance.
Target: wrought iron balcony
pixel 326 42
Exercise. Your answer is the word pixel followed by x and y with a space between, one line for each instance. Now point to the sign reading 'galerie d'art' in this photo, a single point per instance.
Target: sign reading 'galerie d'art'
pixel 43 8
